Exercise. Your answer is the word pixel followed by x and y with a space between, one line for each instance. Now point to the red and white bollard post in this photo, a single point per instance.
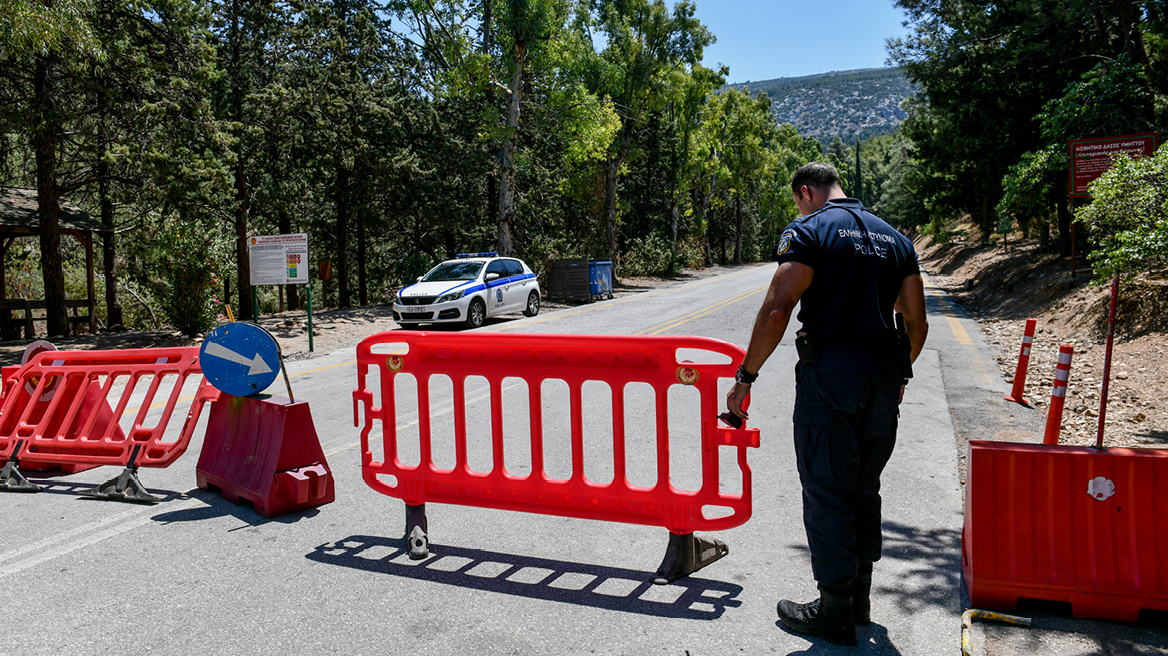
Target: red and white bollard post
pixel 1023 363
pixel 1054 418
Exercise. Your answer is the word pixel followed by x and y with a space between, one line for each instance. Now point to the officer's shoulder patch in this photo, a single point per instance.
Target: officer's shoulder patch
pixel 785 240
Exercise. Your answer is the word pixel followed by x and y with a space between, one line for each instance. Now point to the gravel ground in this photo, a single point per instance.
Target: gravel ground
pixel 1004 287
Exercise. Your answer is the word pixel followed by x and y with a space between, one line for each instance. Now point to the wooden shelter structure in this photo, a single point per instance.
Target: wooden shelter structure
pixel 18 218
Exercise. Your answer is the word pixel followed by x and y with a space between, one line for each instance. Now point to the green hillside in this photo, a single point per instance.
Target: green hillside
pixel 852 105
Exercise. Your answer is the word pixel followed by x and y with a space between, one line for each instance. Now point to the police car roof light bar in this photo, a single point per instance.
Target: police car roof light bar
pixel 466 255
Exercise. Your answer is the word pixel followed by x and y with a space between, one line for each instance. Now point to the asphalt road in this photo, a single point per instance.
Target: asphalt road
pixel 196 574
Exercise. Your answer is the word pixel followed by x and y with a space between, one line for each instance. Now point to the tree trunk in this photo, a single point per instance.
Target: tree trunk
pixel 45 140
pixel 487 26
pixel 362 283
pixel 242 264
pixel 674 218
pixel 285 223
pixel 738 228
pixel 611 168
pixel 341 271
pixel 113 307
pixel 505 242
pixel 985 222
pixel 611 173
pixel 1064 226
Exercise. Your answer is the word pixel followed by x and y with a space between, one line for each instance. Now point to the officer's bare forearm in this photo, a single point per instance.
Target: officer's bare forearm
pixel 911 303
pixel 790 281
pixel 769 327
pixel 916 337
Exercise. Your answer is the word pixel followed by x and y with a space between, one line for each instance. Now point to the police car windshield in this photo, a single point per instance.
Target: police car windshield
pixel 453 271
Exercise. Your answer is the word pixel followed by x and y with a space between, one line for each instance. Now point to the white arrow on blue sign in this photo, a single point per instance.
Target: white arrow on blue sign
pixel 240 359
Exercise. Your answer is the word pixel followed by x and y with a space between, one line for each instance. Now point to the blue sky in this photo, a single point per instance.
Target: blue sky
pixel 767 39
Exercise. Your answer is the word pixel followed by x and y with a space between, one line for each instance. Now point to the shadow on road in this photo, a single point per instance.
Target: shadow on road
pixel 581 584
pixel 217 506
pixel 873 639
pixel 933 577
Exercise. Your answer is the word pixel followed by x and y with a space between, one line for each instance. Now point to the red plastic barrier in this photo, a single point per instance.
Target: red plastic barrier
pixel 613 359
pixel 264 450
pixel 55 423
pixel 1069 524
pixel 1058 395
pixel 88 405
pixel 1023 363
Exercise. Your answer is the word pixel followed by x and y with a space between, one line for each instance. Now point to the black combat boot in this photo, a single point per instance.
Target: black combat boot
pixel 861 588
pixel 829 617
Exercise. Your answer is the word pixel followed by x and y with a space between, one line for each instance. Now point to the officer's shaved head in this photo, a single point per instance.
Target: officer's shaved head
pixel 819 175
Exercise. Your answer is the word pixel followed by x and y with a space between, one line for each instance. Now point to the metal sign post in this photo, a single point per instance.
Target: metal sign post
pixel 1107 360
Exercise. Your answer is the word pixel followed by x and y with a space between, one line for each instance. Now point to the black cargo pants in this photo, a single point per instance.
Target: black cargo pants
pixel 846 409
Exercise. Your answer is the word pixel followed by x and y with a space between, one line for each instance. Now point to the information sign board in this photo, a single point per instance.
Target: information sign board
pixel 278 259
pixel 239 359
pixel 1091 158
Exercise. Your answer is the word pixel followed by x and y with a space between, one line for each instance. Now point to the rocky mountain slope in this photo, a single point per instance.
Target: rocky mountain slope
pixel 852 105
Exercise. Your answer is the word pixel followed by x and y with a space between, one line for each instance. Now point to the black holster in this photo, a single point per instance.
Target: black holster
pixel 808 347
pixel 903 348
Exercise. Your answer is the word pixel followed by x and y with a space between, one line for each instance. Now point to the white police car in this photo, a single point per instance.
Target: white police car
pixel 468 289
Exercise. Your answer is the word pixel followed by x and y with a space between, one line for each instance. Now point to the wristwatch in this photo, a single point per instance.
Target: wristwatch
pixel 744 376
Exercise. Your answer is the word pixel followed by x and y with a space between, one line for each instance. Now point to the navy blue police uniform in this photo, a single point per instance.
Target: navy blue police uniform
pixel 851 367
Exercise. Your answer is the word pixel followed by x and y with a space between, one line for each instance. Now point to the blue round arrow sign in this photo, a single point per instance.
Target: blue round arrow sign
pixel 240 359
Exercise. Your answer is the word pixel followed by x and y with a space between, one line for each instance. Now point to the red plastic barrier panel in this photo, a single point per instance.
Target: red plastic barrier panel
pixel 1069 524
pixel 588 376
pixel 46 418
pixel 75 428
pixel 617 360
pixel 105 415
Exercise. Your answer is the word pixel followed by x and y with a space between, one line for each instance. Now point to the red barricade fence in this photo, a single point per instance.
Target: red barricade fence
pixel 1070 524
pixel 615 360
pixel 55 409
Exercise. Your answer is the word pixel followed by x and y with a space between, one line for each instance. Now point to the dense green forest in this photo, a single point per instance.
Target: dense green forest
pixel 399 134
pixel 396 135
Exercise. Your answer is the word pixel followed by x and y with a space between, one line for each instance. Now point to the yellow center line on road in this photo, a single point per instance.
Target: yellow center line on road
pixel 184 399
pixel 590 308
pixel 959 333
pixel 558 315
pixel 701 313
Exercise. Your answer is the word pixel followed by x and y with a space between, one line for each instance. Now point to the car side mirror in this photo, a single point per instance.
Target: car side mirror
pixel 492 276
pixel 420 278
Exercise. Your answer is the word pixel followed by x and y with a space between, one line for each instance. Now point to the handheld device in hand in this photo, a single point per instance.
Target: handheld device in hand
pixel 731 420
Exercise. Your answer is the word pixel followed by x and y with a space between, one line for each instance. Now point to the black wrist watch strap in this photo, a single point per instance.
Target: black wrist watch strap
pixel 744 376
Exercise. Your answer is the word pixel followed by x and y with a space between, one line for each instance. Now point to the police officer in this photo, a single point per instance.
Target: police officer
pixel 848 271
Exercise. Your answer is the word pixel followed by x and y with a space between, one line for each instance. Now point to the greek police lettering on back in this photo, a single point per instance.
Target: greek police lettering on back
pixel 868 247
